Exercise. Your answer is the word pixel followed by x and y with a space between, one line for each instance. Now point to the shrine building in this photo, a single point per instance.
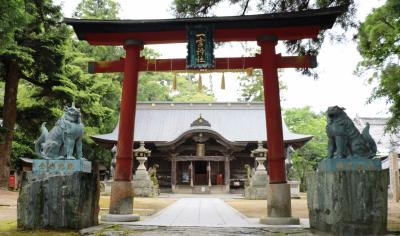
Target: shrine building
pixel 201 147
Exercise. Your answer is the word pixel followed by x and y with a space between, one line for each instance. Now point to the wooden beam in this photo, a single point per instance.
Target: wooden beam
pixel 220 35
pixel 203 158
pixel 221 64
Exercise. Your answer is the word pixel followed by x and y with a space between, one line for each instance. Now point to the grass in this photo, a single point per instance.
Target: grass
pixel 119 228
pixel 9 228
pixel 258 208
pixel 141 206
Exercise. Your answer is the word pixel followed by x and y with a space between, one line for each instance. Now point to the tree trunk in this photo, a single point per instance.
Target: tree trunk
pixel 9 118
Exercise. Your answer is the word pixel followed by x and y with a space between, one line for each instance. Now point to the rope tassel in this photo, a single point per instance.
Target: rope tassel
pixel 174 82
pixel 200 83
pixel 223 81
pixel 249 71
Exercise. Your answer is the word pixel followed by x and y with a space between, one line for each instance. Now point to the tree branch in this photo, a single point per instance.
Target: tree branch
pixel 245 7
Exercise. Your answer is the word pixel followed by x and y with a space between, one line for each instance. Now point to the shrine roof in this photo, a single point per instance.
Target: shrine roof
pixel 319 18
pixel 236 122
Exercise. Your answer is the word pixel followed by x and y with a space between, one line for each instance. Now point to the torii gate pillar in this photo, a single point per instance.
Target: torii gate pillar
pixel 278 197
pixel 121 200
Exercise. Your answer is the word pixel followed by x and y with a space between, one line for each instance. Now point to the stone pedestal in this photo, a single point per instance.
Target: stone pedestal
pixel 258 187
pixel 143 185
pixel 279 207
pixel 60 201
pixel 294 188
pixel 121 203
pixel 348 197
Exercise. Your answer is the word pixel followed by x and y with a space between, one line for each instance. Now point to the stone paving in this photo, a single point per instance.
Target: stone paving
pixel 208 212
pixel 131 230
pixel 196 216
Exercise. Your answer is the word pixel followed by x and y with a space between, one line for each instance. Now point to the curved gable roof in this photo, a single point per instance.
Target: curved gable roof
pixel 236 122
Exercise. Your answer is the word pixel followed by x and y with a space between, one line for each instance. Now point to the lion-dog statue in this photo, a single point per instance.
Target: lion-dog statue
pixel 344 137
pixel 63 138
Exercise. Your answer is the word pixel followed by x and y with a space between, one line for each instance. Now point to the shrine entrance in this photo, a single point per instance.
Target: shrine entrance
pixel 200 34
pixel 208 174
pixel 201 173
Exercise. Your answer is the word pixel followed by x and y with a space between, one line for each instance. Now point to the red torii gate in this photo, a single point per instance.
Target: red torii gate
pixel 266 29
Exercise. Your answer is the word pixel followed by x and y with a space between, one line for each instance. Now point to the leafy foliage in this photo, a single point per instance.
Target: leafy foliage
pixel 304 121
pixel 33 50
pixel 53 67
pixel 252 88
pixel 97 9
pixel 187 91
pixel 379 45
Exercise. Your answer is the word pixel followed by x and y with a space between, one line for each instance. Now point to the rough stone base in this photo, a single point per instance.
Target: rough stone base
pixel 143 185
pixel 278 200
pixel 68 201
pixel 280 221
pixel 294 189
pixel 120 218
pixel 348 202
pixel 121 199
pixel 254 193
pixel 258 188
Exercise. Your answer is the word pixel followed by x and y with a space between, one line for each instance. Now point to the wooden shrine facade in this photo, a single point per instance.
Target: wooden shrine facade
pixel 201 147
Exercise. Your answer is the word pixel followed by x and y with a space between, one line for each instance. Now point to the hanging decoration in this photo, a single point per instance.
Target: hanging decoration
pixel 200 83
pixel 174 79
pixel 223 81
pixel 249 71
pixel 174 82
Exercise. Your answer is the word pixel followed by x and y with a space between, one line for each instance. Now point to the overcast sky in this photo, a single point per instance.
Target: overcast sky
pixel 337 84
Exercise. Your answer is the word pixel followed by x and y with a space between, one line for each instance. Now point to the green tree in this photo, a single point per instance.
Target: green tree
pixel 97 94
pixel 305 121
pixel 33 51
pixel 379 45
pixel 252 88
pixel 154 87
pixel 158 87
pixel 97 9
pixel 188 91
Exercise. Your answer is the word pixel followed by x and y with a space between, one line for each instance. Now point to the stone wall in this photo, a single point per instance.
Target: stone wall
pixel 69 201
pixel 348 202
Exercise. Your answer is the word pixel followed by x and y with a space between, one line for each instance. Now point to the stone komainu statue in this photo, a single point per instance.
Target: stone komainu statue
pixel 248 175
pixel 344 137
pixel 64 138
pixel 153 175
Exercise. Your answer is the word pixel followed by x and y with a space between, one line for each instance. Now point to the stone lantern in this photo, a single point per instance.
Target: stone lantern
pixel 141 155
pixel 257 188
pixel 142 183
pixel 261 155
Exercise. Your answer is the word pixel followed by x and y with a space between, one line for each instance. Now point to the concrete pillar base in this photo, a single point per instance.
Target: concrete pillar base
pixel 280 221
pixel 121 200
pixel 278 201
pixel 120 218
pixel 279 206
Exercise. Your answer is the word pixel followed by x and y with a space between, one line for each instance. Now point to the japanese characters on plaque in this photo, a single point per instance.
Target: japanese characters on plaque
pixel 200 48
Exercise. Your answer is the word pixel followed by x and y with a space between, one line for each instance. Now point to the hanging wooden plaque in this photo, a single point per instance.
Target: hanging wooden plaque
pixel 200 48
